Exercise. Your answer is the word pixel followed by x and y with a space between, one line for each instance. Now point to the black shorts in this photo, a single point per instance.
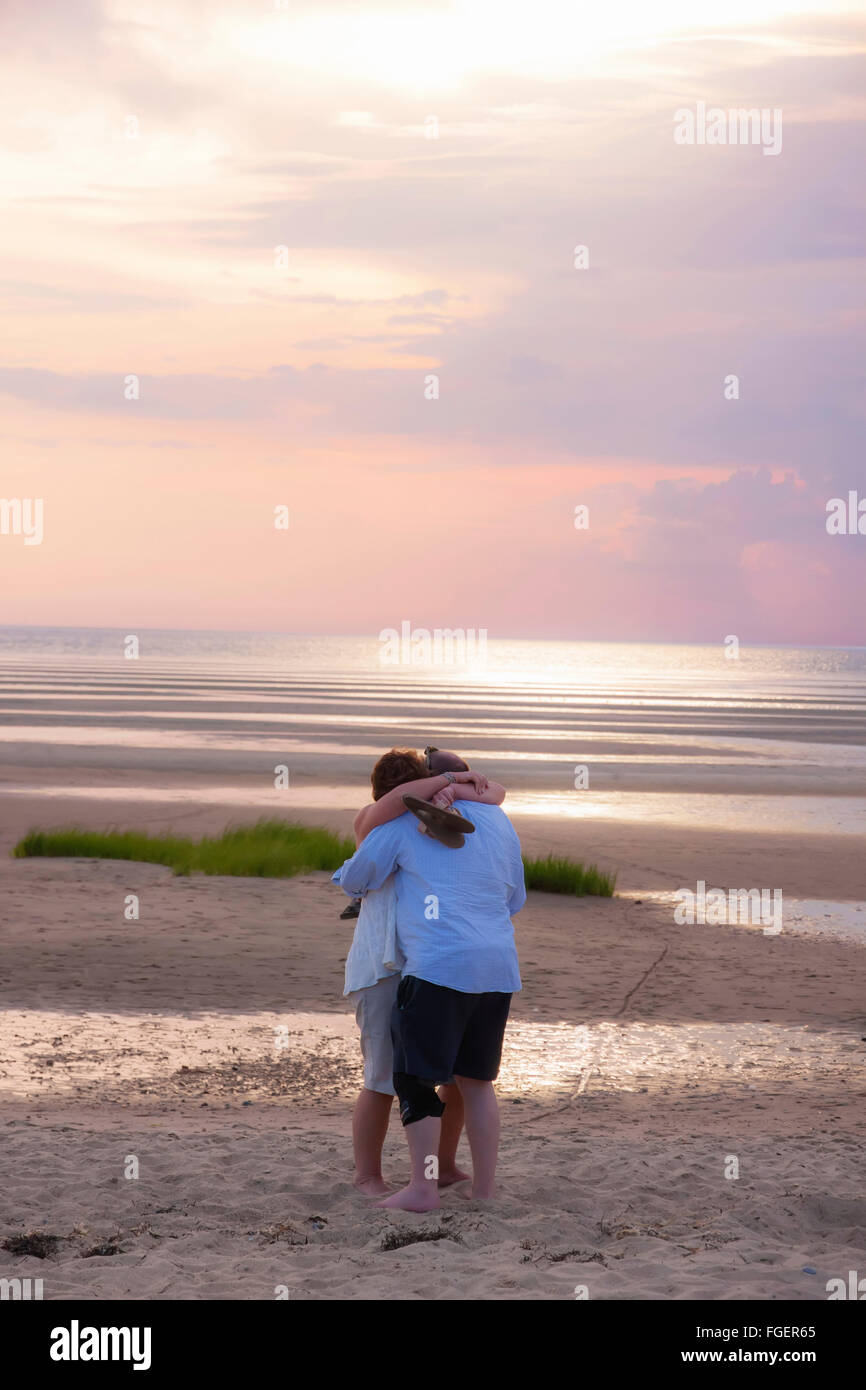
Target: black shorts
pixel 439 1032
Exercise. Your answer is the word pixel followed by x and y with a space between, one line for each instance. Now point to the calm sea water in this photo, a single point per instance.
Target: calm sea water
pixel 668 735
pixel 523 662
pixel 211 709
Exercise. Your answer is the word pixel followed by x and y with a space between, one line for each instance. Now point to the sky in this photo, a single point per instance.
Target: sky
pixel 322 257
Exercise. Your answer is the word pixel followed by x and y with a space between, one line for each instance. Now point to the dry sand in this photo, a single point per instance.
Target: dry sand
pixel 210 1041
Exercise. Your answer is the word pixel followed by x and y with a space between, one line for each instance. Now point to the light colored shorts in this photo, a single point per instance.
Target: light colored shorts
pixel 373 1015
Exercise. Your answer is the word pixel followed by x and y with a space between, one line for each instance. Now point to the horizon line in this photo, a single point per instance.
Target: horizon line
pixel 372 637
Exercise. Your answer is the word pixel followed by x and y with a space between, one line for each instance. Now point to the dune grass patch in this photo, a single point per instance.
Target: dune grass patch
pixel 556 874
pixel 270 849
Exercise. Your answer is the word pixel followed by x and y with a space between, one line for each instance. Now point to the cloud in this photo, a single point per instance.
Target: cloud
pixel 455 256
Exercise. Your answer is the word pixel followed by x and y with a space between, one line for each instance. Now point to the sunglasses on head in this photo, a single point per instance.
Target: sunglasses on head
pixel 427 755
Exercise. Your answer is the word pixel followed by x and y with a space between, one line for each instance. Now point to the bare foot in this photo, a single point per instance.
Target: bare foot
pixel 372 1187
pixel 452 1176
pixel 424 1198
pixel 469 1196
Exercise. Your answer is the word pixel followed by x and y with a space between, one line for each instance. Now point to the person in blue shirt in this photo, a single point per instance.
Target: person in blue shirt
pixel 454 929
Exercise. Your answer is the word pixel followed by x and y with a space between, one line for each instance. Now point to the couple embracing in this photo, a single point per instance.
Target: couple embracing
pixel 432 968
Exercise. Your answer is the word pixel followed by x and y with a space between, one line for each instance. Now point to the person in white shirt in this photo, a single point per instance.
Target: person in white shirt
pixel 459 971
pixel 374 962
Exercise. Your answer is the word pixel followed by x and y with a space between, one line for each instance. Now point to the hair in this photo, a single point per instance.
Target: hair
pixel 439 760
pixel 395 767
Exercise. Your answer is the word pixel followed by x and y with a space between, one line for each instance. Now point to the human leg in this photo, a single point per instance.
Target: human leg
pixel 475 1069
pixel 482 1131
pixel 452 1128
pixel 370 1119
pixel 372 1110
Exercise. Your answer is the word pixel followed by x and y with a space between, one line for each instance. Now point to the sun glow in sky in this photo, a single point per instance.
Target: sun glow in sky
pixel 437 47
pixel 286 224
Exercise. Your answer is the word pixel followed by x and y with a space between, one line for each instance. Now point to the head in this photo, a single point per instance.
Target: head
pixel 395 767
pixel 439 760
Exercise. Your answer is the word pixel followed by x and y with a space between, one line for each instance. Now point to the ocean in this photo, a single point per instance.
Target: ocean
pixel 662 732
pixel 772 740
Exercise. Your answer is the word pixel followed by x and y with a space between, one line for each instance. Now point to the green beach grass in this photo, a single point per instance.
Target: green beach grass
pixel 555 874
pixel 269 849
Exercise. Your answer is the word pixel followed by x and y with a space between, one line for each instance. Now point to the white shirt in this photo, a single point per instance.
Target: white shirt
pixel 454 906
pixel 374 952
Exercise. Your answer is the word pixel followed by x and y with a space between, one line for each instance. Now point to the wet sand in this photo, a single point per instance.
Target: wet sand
pixel 645 855
pixel 209 1041
pixel 683 1107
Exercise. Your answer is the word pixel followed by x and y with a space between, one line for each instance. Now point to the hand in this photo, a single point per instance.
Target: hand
pixel 478 780
pixel 444 799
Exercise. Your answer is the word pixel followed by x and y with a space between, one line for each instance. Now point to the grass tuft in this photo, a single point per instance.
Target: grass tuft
pixel 270 849
pixel 554 874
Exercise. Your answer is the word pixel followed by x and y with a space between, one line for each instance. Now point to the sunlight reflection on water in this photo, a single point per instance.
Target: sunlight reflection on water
pixel 843 815
pixel 103 1053
pixel 616 1057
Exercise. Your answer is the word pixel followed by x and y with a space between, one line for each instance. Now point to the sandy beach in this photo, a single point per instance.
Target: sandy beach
pixel 210 1041
pixel 473 378
pixel 683 1106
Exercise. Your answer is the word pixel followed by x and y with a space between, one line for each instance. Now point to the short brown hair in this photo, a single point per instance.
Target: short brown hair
pixel 395 767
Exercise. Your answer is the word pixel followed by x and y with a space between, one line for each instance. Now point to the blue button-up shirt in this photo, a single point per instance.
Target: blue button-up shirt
pixel 454 906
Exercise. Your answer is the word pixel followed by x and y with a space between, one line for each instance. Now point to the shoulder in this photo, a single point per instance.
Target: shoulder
pixel 391 831
pixel 482 813
pixel 492 819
